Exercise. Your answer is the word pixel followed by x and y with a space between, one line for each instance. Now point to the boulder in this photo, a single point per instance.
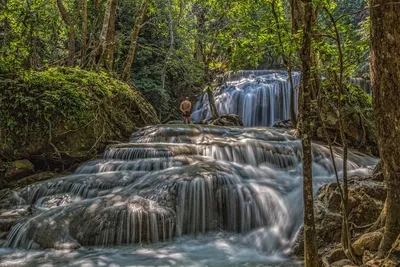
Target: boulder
pixel 366 200
pixel 368 241
pixel 19 169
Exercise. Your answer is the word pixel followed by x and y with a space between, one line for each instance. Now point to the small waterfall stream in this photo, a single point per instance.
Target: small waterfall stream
pixel 176 195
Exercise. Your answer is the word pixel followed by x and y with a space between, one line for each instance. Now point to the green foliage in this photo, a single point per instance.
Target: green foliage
pixel 66 111
pixel 28 28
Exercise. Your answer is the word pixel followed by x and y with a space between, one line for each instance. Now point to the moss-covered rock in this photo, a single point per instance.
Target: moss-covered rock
pixel 67 113
pixel 19 169
pixel 368 241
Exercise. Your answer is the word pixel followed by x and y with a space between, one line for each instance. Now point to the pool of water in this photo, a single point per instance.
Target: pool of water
pixel 216 249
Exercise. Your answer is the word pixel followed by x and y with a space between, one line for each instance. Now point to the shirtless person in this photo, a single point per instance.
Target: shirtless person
pixel 185 108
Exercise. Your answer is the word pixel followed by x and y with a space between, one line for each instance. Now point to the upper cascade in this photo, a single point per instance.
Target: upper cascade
pixel 259 97
pixel 175 180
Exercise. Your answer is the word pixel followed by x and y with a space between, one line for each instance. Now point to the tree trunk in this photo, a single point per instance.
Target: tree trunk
pixel 71 46
pixel 310 246
pixel 201 20
pixel 292 108
pixel 126 73
pixel 110 40
pixel 211 102
pixel 385 81
pixel 297 15
pixel 102 47
pixel 84 32
pixel 71 33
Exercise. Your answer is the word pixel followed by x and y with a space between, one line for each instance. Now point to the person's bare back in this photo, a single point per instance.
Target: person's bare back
pixel 185 108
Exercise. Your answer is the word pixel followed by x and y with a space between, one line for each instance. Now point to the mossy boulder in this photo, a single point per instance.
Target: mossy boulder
pixel 64 113
pixel 19 169
pixel 368 241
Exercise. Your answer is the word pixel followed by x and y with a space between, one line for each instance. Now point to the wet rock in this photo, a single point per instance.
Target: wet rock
pixel 33 179
pixel 225 120
pixel 9 198
pixel 19 169
pixel 113 219
pixel 369 241
pixel 10 217
pixel 286 124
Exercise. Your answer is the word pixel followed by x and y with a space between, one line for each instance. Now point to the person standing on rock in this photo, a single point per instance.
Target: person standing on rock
pixel 185 108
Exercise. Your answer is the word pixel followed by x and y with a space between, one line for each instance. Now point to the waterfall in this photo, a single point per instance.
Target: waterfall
pixel 260 98
pixel 175 181
pixel 364 84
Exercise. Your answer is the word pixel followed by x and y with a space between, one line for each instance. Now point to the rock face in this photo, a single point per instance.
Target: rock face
pixel 19 169
pixel 366 200
pixel 368 241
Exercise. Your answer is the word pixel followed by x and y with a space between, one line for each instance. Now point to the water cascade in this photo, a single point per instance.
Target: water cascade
pixel 260 98
pixel 364 84
pixel 239 187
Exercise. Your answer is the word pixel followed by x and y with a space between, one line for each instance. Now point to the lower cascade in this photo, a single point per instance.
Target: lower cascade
pixel 183 183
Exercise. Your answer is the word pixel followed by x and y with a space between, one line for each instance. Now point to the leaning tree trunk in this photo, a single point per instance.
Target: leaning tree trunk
pixel 385 81
pixel 211 102
pixel 126 73
pixel 310 246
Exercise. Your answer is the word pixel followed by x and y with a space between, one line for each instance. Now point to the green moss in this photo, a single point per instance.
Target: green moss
pixel 22 164
pixel 67 112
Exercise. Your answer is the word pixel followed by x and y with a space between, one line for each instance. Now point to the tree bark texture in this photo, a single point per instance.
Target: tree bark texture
pixel 110 39
pixel 126 73
pixel 100 54
pixel 71 34
pixel 84 32
pixel 310 247
pixel 385 81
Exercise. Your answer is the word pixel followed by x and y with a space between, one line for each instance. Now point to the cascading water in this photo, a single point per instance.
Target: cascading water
pixel 364 84
pixel 260 98
pixel 187 195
